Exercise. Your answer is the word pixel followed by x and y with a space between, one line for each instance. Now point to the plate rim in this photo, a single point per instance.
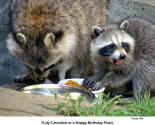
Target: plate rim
pixel 94 92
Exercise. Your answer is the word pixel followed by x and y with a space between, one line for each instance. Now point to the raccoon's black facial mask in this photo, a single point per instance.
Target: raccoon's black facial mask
pixel 108 50
pixel 126 46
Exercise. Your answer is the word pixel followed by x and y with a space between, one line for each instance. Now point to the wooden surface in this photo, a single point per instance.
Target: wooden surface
pixel 14 103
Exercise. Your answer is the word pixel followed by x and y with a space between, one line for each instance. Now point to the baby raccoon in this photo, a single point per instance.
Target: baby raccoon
pixel 124 54
pixel 53 35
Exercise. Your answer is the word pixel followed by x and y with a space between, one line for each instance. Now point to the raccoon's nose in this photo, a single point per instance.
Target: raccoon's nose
pixel 122 56
pixel 41 79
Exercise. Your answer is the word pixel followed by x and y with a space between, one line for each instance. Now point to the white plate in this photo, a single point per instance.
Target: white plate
pixel 45 89
pixel 42 89
pixel 40 86
pixel 80 81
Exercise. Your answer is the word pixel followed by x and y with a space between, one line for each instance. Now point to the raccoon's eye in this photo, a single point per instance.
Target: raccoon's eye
pixel 112 46
pixel 107 50
pixel 126 46
pixel 51 66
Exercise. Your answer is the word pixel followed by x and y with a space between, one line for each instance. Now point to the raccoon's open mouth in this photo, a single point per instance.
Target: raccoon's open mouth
pixel 117 62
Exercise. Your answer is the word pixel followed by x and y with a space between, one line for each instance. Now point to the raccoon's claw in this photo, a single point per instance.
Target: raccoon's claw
pixel 89 83
pixel 23 79
pixel 97 86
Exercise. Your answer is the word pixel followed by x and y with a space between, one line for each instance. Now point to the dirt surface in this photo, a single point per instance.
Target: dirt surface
pixel 14 103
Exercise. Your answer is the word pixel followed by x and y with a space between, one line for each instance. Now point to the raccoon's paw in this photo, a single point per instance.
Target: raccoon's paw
pixel 89 82
pixel 23 79
pixel 97 86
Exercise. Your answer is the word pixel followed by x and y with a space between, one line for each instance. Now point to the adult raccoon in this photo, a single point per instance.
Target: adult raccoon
pixel 49 35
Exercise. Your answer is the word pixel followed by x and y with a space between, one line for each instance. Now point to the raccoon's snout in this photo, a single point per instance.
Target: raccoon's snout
pixel 41 79
pixel 40 73
pixel 122 56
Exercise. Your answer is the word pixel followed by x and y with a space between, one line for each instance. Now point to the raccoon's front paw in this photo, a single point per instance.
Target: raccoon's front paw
pixel 89 82
pixel 93 84
pixel 23 79
pixel 97 86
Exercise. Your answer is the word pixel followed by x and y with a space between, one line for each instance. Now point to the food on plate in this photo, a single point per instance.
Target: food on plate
pixel 74 83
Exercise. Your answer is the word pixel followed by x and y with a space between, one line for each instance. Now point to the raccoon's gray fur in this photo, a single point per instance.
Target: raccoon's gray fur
pixel 54 35
pixel 135 40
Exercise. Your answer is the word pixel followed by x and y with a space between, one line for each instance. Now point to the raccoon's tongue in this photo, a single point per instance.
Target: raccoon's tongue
pixel 118 61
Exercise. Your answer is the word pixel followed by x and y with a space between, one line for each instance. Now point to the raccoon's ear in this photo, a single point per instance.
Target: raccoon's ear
pixel 96 30
pixel 49 40
pixel 21 38
pixel 124 25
